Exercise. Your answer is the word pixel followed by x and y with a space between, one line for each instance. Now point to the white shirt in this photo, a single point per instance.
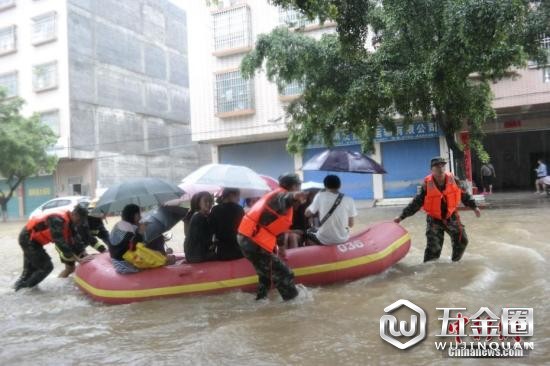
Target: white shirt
pixel 335 230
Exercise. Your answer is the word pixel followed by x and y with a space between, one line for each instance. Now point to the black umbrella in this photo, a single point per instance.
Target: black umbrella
pixel 161 220
pixel 144 192
pixel 344 161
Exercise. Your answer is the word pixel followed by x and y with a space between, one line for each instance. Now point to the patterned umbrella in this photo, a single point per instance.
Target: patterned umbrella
pixel 144 192
pixel 344 161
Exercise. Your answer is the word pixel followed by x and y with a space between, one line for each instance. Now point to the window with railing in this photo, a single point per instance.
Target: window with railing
pixel 294 19
pixel 233 93
pixel 44 76
pixel 44 28
pixel 8 83
pixel 232 29
pixel 8 39
pixel 51 119
pixel 545 44
pixel 292 89
pixel 5 4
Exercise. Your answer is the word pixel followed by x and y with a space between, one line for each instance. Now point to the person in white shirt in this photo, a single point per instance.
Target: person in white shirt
pixel 542 172
pixel 334 228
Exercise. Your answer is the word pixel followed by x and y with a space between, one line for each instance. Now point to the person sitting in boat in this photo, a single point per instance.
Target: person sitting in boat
pixel 296 237
pixel 224 220
pixel 337 213
pixel 124 235
pixel 198 245
pixel 258 231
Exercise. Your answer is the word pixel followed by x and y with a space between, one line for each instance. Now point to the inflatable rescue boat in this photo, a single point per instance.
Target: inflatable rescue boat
pixel 368 252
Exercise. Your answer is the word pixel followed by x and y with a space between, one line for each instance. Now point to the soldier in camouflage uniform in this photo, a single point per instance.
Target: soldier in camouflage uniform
pixel 56 227
pixel 442 214
pixel 86 235
pixel 258 231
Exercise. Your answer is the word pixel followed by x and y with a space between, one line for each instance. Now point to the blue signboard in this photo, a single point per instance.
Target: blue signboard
pixel 416 130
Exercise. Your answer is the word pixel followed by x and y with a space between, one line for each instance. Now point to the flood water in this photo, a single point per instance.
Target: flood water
pixel 506 265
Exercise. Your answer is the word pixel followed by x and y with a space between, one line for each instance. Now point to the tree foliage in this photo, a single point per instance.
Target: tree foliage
pixel 23 147
pixel 434 60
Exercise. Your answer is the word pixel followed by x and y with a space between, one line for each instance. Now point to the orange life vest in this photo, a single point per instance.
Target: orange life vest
pixel 451 195
pixel 265 236
pixel 40 230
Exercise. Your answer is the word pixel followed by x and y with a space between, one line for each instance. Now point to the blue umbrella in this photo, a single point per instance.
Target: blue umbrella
pixel 344 161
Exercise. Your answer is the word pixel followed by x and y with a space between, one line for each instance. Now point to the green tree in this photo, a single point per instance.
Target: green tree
pixel 23 147
pixel 433 60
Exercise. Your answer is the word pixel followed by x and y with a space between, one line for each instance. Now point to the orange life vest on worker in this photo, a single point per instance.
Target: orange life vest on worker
pixel 40 230
pixel 452 196
pixel 265 236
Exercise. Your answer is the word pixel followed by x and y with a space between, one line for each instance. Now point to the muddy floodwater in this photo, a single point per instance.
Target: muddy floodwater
pixel 505 265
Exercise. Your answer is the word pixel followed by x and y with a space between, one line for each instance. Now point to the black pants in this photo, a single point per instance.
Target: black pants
pixel 37 264
pixel 268 266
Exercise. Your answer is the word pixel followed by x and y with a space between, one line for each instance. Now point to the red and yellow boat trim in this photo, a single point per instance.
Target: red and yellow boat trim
pixel 242 281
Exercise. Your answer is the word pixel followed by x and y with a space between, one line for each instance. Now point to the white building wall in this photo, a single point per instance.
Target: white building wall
pixel 28 55
pixel 268 120
pixel 527 88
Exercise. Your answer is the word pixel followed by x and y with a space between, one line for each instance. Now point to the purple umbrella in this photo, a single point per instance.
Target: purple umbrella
pixel 344 161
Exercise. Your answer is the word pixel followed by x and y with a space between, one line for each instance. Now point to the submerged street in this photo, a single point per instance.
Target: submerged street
pixel 505 265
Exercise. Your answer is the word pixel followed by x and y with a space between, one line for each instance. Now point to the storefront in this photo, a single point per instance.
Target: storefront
pixel 405 155
pixel 514 146
pixel 264 157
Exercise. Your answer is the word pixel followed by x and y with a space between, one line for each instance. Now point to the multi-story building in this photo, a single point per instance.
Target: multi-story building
pixel 111 79
pixel 244 120
pixel 521 133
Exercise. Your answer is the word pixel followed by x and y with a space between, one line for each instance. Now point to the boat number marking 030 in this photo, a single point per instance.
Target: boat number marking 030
pixel 349 246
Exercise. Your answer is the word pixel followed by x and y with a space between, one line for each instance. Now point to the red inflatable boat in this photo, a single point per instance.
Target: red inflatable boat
pixel 371 251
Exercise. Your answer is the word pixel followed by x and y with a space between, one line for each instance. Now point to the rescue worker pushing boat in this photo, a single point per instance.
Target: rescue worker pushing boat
pixel 61 228
pixel 258 232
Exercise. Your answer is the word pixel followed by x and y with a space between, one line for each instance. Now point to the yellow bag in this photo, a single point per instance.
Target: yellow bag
pixel 143 257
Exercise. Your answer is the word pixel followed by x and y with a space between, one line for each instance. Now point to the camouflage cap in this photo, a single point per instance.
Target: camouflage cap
pixel 437 160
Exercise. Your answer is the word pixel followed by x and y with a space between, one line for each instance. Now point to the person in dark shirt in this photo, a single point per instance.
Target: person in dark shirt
pixel 224 220
pixel 125 234
pixel 198 240
pixel 439 197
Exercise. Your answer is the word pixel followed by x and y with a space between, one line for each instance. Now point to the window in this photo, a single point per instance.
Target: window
pixel 546 75
pixel 8 39
pixel 233 93
pixel 232 29
pixel 293 88
pixel 44 76
pixel 44 28
pixel 51 119
pixel 4 4
pixel 51 204
pixel 8 82
pixel 294 19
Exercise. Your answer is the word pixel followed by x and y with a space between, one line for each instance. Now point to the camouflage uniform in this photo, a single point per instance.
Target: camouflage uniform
pixel 435 228
pixel 37 264
pixel 269 266
pixel 86 235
